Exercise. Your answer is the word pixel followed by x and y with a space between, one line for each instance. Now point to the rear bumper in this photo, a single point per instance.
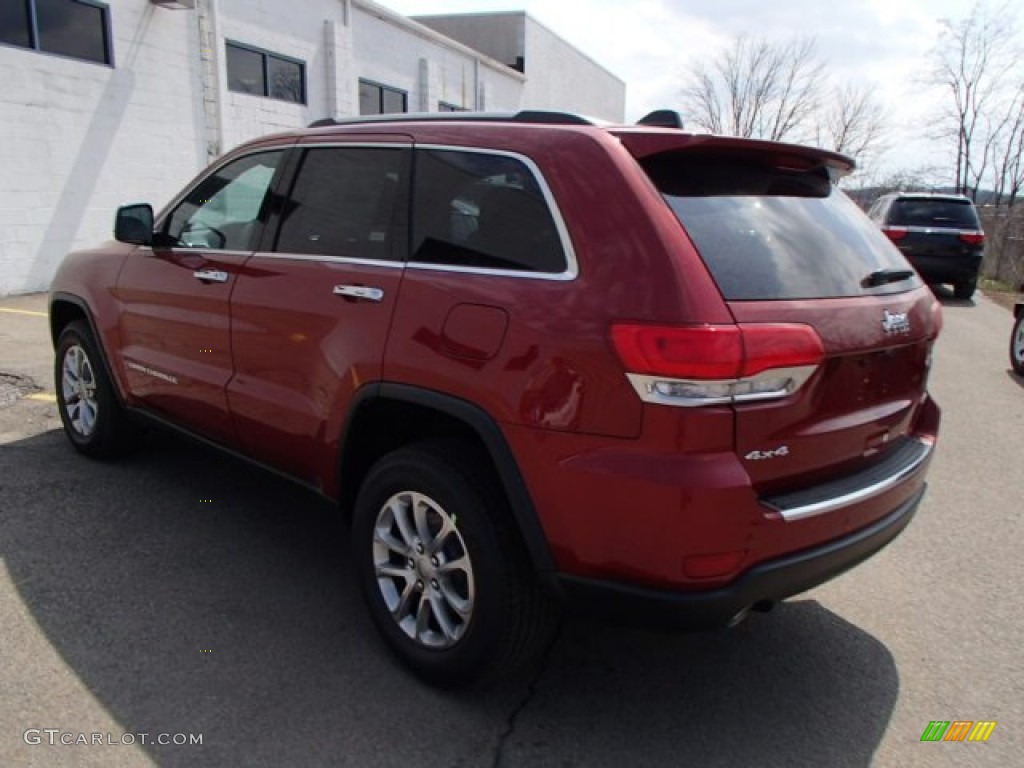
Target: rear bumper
pixel 766 582
pixel 951 269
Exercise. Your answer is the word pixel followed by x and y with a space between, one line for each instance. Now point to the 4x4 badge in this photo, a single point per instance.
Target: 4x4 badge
pixel 782 450
pixel 895 322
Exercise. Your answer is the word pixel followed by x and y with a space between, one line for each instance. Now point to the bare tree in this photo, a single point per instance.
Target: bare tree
pixel 757 89
pixel 853 123
pixel 971 61
pixel 1009 170
pixel 781 91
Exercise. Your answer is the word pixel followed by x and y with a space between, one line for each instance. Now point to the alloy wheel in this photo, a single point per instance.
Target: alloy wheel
pixel 423 570
pixel 78 390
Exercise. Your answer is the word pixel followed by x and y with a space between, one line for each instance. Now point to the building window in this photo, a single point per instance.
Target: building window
pixel 79 29
pixel 377 99
pixel 261 73
pixel 444 106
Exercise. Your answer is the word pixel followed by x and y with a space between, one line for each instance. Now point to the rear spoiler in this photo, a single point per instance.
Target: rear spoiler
pixel 643 142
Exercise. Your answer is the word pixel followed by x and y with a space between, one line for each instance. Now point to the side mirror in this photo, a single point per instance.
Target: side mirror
pixel 134 224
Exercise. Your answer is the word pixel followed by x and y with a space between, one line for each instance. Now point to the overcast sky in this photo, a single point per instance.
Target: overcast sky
pixel 648 43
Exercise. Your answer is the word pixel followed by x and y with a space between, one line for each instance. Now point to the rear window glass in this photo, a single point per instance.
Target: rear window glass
pixel 925 212
pixel 774 232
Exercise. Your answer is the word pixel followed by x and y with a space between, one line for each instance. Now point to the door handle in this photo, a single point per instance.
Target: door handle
pixel 359 292
pixel 210 275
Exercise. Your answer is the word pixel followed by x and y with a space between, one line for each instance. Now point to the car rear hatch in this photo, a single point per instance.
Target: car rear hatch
pixel 835 329
pixel 929 227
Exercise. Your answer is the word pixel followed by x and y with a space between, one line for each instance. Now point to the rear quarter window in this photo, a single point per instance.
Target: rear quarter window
pixel 774 232
pixel 480 211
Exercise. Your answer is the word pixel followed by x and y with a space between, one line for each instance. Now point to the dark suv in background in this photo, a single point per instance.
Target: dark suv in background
pixel 538 361
pixel 940 235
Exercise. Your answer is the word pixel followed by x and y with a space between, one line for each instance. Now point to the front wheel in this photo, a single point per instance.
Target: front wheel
pixel 93 418
pixel 1017 343
pixel 445 577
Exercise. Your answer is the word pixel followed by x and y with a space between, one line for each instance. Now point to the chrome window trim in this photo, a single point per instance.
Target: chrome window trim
pixel 862 494
pixel 571 271
pixel 353 260
pixel 146 250
pixel 424 266
pixel 402 142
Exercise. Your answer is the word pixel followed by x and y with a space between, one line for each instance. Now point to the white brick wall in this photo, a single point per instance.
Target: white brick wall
pixel 78 139
pixel 558 76
pixel 455 73
pixel 561 77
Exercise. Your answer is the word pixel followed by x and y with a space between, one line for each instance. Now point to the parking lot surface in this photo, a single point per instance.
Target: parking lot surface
pixel 180 593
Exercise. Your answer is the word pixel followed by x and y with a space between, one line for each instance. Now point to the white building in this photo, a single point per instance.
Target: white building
pixel 525 44
pixel 125 100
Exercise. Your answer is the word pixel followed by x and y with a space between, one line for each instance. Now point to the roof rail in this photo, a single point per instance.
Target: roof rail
pixel 523 116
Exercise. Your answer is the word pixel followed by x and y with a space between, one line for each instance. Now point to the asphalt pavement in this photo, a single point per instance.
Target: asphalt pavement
pixel 179 594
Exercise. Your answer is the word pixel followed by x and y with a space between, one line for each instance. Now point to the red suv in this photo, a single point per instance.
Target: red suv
pixel 540 362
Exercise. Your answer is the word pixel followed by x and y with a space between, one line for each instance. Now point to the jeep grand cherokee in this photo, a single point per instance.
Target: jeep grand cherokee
pixel 540 362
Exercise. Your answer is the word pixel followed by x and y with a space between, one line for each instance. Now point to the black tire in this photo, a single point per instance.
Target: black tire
pixel 511 617
pixel 1017 343
pixel 93 419
pixel 965 290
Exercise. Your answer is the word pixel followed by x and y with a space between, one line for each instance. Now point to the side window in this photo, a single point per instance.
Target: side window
pixel 223 211
pixel 345 202
pixel 486 211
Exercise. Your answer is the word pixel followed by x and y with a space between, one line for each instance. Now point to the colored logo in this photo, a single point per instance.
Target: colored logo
pixel 958 730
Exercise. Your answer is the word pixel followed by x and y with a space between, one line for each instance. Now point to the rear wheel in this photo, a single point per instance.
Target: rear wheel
pixel 443 571
pixel 1017 344
pixel 965 290
pixel 93 419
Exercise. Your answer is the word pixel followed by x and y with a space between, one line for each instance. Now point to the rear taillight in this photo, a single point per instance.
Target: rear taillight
pixel 895 233
pixel 972 238
pixel 715 364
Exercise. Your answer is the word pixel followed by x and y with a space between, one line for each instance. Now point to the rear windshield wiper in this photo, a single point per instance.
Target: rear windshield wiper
pixel 886 276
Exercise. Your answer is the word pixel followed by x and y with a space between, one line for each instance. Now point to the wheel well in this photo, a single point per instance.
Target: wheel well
pixel 395 415
pixel 384 425
pixel 62 313
pixel 390 415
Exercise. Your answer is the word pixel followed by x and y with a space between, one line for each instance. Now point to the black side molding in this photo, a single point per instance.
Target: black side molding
pixel 487 429
pixel 80 304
